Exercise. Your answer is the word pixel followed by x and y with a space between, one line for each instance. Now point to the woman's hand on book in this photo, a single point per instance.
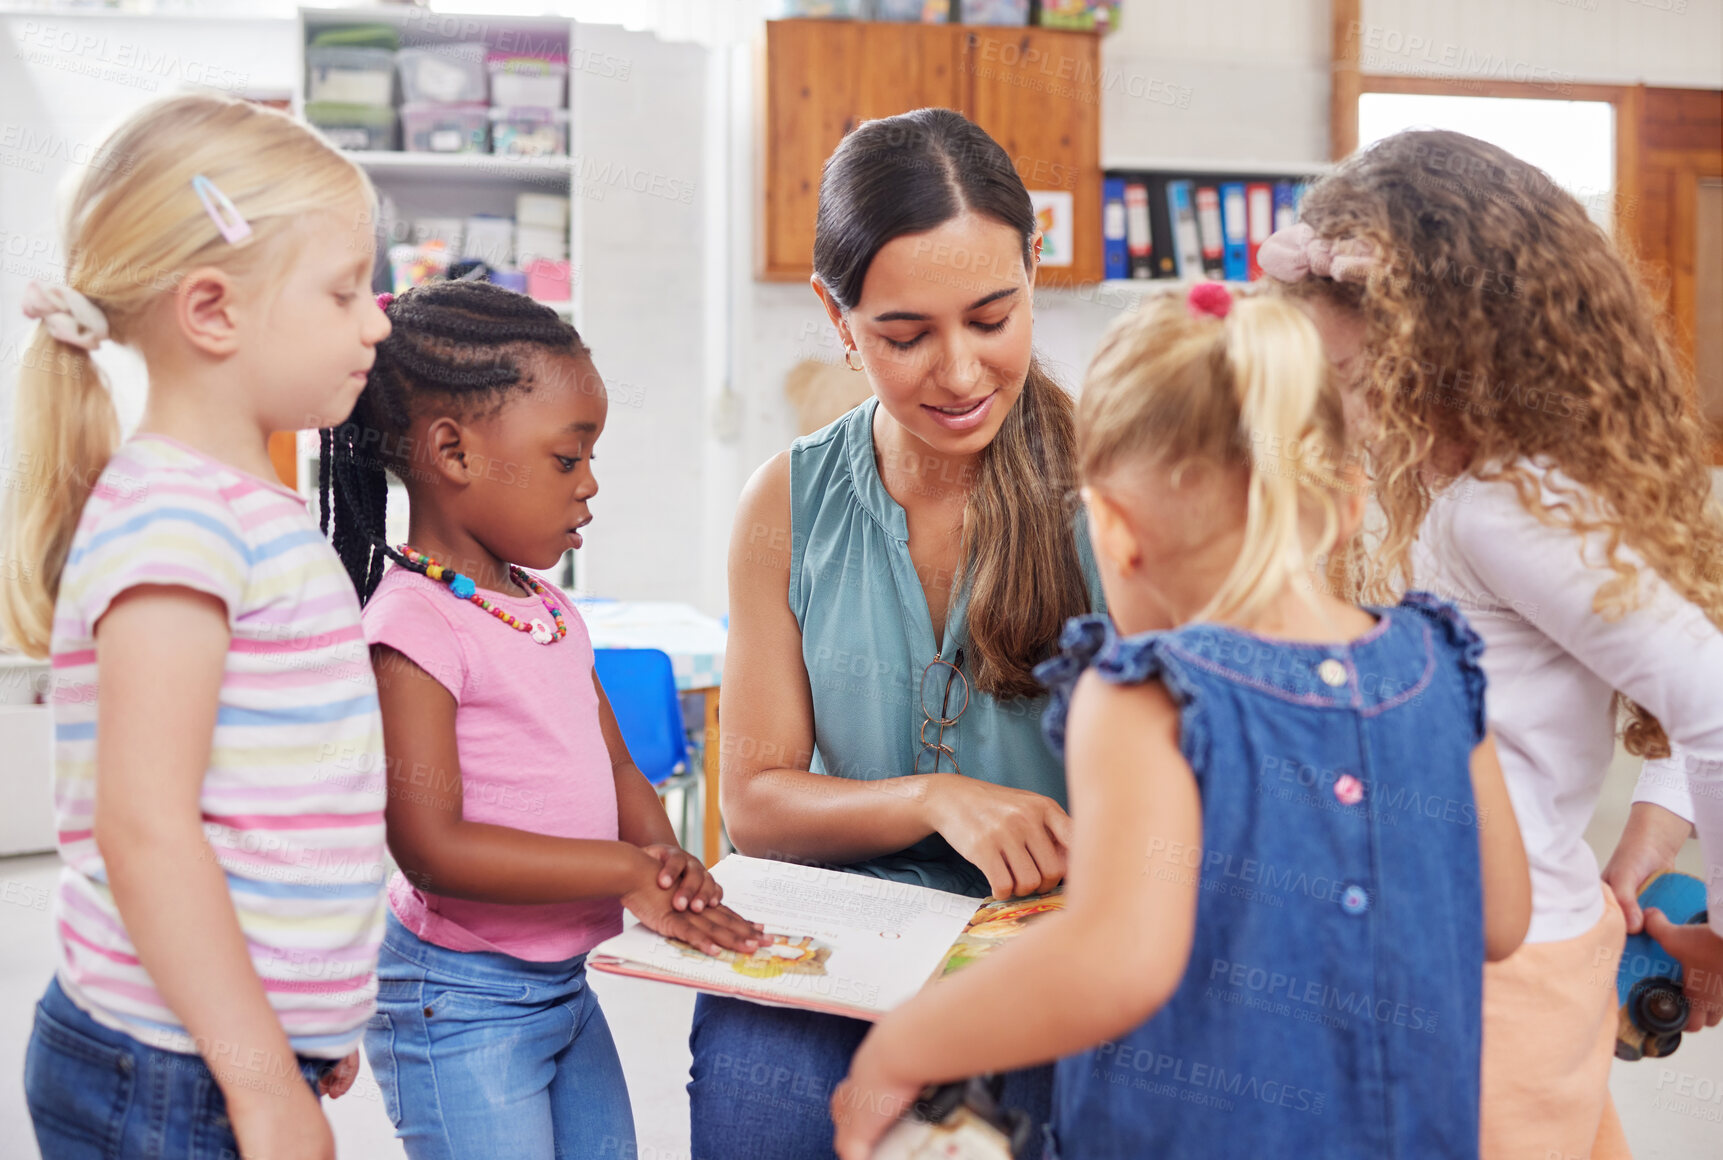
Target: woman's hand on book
pixel 1017 838
pixel 711 929
pixel 682 874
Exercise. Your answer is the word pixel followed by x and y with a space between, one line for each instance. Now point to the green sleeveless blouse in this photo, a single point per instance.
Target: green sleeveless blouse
pixel 867 636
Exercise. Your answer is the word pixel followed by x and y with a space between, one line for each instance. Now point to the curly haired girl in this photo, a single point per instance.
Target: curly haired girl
pixel 1539 459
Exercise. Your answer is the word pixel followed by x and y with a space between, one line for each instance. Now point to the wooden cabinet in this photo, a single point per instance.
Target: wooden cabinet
pixel 1035 90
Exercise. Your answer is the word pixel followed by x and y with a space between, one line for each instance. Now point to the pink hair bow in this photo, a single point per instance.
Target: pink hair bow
pixel 1295 253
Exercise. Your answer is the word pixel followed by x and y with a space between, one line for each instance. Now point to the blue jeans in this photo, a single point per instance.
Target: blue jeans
pixel 482 1056
pixel 98 1094
pixel 763 1079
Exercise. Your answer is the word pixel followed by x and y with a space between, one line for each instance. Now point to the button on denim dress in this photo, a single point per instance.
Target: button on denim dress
pixel 867 636
pixel 1331 1004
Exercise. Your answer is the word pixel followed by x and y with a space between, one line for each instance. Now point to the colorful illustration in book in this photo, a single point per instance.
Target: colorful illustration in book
pixel 994 923
pixel 783 954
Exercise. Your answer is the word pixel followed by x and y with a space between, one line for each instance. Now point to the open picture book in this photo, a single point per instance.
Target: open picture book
pixel 841 943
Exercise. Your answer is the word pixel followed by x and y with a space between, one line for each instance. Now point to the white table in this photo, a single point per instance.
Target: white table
pixel 695 645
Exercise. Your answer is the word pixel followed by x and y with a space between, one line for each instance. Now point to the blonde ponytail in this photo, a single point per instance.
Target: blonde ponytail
pixel 134 227
pixel 65 431
pixel 1169 387
pixel 1280 373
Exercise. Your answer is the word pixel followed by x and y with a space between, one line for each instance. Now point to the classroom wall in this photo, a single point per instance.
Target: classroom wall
pixel 1667 43
pixel 1250 82
pixel 641 255
pixel 697 349
pixel 643 260
pixel 65 81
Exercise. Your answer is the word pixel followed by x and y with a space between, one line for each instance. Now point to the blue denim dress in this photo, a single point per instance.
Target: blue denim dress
pixel 1331 1004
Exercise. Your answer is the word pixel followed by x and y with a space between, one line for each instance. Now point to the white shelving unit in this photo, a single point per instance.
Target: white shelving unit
pixel 451 185
pixel 455 184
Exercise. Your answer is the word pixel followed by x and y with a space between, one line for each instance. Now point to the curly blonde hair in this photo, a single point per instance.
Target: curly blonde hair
pixel 1503 326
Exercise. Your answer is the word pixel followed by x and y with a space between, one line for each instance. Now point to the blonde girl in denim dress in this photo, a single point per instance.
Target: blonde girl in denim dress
pixel 1293 850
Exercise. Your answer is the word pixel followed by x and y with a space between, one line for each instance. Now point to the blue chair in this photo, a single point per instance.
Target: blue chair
pixel 641 687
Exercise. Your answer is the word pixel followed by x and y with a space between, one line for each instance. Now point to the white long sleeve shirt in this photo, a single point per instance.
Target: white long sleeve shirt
pixel 1554 666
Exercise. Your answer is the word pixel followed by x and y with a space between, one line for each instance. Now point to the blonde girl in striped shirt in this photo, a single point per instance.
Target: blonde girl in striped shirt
pixel 218 773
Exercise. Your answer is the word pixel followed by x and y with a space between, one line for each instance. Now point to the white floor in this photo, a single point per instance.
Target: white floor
pixel 1672 1109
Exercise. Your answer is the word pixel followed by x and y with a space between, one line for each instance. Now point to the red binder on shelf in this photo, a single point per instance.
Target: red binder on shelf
pixel 1139 238
pixel 1210 231
pixel 1259 220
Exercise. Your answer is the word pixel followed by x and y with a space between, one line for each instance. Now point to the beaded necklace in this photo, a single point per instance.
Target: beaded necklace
pixel 463 587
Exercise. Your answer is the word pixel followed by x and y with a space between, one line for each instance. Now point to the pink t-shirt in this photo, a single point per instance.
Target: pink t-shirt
pixel 531 749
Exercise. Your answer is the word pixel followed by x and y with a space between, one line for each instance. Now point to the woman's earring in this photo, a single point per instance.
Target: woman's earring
pixel 852 358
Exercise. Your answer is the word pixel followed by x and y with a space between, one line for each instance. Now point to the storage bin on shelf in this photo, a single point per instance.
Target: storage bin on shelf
pixel 527 81
pixel 1083 15
pixel 547 280
pixel 338 74
pixel 430 128
pixel 529 132
pixel 926 11
pixel 448 74
pixel 353 126
pixel 411 265
pixel 1006 12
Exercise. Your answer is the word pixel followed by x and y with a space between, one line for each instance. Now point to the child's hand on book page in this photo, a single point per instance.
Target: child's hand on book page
pixel 1700 951
pixel 716 929
pixel 686 879
pixel 1017 838
pixel 869 1102
pixel 711 929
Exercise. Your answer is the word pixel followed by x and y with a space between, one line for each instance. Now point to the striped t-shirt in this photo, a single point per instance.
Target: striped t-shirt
pixel 292 801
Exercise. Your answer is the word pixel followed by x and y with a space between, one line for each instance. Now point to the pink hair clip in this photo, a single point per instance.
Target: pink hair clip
pixel 1210 298
pixel 384 299
pixel 221 211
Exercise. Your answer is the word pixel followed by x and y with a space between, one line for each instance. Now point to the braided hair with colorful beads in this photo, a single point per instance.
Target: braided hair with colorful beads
pixel 460 342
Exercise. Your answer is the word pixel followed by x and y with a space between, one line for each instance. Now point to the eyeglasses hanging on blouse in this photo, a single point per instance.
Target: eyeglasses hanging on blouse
pixel 943 687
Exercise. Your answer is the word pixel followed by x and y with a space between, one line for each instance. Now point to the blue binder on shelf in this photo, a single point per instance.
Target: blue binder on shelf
pixel 1235 230
pixel 1187 246
pixel 1285 204
pixel 1117 258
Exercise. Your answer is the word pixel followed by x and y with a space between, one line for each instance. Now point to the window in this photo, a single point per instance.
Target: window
pixel 1573 141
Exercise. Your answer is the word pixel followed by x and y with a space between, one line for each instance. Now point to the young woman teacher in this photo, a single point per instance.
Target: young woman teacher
pixel 893 580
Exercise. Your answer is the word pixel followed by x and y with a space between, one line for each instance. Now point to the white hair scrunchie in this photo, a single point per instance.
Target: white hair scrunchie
pixel 68 315
pixel 1295 253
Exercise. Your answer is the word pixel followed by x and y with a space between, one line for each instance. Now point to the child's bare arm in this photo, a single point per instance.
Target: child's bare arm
pixel 1507 880
pixel 641 820
pixel 640 816
pixel 440 851
pixel 1097 970
pixel 160 653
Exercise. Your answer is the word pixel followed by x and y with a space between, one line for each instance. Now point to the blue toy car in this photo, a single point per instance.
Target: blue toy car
pixel 1648 984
